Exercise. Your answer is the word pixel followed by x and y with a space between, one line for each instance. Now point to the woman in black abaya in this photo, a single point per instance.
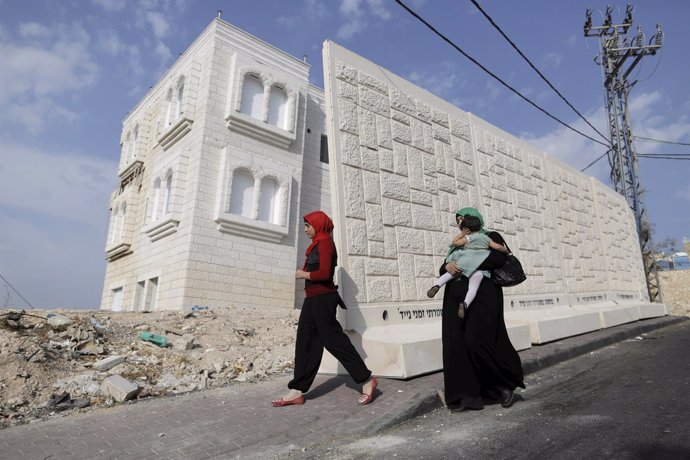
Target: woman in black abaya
pixel 478 359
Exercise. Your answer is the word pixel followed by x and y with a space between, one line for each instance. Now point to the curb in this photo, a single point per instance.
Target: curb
pixel 421 403
pixel 573 347
pixel 563 350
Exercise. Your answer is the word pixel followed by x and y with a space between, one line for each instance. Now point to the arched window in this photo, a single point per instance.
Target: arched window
pixel 114 221
pixel 122 223
pixel 252 97
pixel 147 210
pixel 268 209
pixel 277 108
pixel 125 148
pixel 168 109
pixel 180 94
pixel 156 199
pixel 168 193
pixel 242 193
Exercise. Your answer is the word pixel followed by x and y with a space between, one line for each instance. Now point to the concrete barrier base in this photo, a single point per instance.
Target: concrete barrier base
pixel 567 321
pixel 406 351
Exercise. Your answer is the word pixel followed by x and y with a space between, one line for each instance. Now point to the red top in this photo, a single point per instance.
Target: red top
pixel 322 256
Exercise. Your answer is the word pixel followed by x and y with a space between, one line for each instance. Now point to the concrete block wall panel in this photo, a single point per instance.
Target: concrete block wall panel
pixel 403 160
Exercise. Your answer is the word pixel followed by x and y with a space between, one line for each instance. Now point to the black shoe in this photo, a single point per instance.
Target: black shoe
pixel 458 408
pixel 507 397
pixel 432 292
pixel 462 408
pixel 462 309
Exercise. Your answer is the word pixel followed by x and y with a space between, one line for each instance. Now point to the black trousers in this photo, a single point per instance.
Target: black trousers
pixel 317 329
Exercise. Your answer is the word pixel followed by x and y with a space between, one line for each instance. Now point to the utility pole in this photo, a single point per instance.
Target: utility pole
pixel 619 55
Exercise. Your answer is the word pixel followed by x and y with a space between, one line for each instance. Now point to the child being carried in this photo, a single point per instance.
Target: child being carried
pixel 471 248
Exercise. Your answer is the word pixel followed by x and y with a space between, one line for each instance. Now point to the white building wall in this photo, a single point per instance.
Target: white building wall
pixel 157 247
pixel 232 264
pixel 201 254
pixel 315 193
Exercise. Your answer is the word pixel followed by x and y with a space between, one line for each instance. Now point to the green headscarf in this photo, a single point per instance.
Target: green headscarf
pixel 465 212
pixel 472 212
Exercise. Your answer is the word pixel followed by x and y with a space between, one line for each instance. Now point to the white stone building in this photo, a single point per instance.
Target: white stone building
pixel 230 148
pixel 219 161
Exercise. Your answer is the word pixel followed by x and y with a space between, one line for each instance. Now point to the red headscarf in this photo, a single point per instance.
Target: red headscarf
pixel 323 226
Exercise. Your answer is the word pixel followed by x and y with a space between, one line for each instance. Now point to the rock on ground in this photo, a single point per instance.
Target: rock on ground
pixel 39 360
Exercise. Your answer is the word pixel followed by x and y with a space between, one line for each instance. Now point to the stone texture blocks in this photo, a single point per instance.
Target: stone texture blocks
pixel 572 233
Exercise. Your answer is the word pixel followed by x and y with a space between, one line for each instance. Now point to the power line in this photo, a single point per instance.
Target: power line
pixel 658 156
pixel 658 61
pixel 493 23
pixel 592 163
pixel 17 292
pixel 664 157
pixel 474 61
pixel 648 139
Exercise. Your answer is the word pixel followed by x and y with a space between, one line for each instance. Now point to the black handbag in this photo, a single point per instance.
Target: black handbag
pixel 510 274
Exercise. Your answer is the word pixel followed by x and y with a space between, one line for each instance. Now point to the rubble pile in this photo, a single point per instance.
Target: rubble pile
pixel 55 362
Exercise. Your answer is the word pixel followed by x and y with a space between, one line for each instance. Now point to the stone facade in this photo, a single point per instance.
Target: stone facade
pixel 675 291
pixel 405 160
pixel 211 180
pixel 675 287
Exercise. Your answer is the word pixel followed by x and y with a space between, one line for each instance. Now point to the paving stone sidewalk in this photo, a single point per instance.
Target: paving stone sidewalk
pixel 238 421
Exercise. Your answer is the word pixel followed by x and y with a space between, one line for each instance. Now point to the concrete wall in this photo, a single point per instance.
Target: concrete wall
pixel 405 160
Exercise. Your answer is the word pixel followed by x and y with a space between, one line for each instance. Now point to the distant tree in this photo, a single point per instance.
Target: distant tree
pixel 667 246
pixel 663 247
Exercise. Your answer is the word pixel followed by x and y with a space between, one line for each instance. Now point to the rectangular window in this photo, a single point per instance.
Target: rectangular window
pixel 139 296
pixel 324 149
pixel 117 299
pixel 151 294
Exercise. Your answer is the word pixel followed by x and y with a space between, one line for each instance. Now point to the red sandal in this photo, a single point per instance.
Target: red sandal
pixel 367 398
pixel 281 402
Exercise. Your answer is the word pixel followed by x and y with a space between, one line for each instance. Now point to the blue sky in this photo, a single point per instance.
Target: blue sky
pixel 72 69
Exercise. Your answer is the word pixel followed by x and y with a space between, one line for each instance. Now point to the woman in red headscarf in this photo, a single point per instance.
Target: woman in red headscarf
pixel 318 327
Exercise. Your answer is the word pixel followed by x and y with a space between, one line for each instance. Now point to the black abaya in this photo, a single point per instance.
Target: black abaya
pixel 478 358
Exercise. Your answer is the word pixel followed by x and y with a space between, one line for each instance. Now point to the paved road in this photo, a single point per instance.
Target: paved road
pixel 630 400
pixel 238 421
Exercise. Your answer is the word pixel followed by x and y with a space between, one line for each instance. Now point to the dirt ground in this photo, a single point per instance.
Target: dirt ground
pixel 49 359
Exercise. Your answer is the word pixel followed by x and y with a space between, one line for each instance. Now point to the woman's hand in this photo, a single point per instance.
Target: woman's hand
pixel 301 274
pixel 453 269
